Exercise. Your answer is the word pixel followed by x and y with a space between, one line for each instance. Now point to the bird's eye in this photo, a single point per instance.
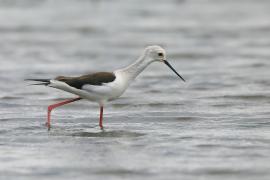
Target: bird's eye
pixel 160 54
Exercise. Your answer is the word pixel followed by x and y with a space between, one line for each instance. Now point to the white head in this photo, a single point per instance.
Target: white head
pixel 157 53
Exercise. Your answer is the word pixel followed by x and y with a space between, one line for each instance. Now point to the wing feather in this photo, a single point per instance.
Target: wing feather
pixel 95 79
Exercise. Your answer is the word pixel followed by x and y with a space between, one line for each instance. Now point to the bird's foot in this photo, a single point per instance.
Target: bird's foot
pixel 48 126
pixel 101 128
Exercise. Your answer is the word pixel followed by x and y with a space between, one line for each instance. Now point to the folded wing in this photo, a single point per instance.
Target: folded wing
pixel 95 79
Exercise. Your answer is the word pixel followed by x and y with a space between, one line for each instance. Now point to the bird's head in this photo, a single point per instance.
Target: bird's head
pixel 157 53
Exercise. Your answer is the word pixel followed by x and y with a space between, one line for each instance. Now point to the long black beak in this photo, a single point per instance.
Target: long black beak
pixel 168 64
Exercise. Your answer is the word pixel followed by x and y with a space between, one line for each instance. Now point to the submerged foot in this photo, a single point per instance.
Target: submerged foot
pixel 48 126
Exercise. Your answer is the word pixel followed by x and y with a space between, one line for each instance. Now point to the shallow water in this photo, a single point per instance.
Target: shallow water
pixel 214 126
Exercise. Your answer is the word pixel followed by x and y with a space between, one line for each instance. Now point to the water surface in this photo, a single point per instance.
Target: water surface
pixel 214 126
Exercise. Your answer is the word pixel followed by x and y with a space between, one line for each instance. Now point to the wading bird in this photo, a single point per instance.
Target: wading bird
pixel 102 87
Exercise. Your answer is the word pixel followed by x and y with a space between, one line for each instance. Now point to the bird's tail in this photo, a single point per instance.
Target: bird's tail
pixel 45 82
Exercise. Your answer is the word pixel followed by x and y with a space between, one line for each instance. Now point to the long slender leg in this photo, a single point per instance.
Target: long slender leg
pixel 101 118
pixel 51 107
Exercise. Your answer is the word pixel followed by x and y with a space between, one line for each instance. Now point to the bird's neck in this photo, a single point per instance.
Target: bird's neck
pixel 134 69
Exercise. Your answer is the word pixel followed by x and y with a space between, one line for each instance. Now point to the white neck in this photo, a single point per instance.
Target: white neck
pixel 133 70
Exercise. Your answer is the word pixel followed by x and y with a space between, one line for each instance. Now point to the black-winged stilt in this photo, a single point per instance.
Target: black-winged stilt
pixel 102 87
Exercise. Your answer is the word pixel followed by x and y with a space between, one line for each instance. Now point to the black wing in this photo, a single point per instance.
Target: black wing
pixel 96 79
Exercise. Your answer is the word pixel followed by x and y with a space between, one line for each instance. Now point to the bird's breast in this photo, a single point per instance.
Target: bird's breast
pixel 118 86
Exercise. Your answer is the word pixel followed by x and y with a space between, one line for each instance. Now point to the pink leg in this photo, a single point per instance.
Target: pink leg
pixel 101 118
pixel 51 107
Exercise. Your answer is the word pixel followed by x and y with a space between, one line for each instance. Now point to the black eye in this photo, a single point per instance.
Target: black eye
pixel 160 54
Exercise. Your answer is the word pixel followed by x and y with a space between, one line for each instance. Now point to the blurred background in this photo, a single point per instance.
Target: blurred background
pixel 214 126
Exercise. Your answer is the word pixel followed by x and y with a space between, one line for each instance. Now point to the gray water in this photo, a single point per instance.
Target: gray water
pixel 214 126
